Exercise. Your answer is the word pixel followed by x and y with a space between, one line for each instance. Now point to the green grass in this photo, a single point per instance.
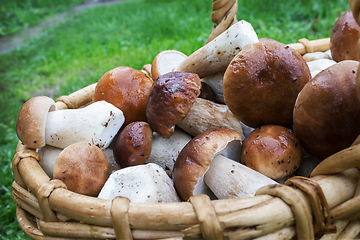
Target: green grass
pixel 16 15
pixel 79 50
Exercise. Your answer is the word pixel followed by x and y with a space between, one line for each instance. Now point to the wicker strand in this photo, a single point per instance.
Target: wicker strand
pixel 338 162
pixel 223 15
pixel 319 205
pixel 43 197
pixel 119 213
pixel 304 45
pixel 76 99
pixel 349 209
pixel 299 206
pixel 340 226
pixel 22 152
pixel 351 231
pixel 209 222
pixel 28 227
pixel 26 200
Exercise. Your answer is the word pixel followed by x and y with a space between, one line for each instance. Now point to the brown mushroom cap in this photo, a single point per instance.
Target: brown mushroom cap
pixel 127 89
pixel 344 38
pixel 262 82
pixel 133 144
pixel 272 150
pixel 82 167
pixel 327 110
pixel 170 99
pixel 31 122
pixel 194 159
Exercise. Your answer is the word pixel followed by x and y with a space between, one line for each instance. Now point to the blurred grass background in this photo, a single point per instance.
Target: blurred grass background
pixel 77 51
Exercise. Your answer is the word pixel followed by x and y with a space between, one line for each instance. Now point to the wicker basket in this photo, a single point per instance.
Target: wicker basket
pixel 325 206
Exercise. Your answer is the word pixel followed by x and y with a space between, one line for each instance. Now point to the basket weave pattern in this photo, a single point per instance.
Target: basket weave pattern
pixel 321 206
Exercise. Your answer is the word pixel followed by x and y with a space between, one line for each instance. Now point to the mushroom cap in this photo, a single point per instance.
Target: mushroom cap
pixel 272 150
pixel 31 122
pixel 170 99
pixel 262 82
pixel 82 167
pixel 194 159
pixel 127 89
pixel 133 144
pixel 344 38
pixel 166 61
pixel 327 110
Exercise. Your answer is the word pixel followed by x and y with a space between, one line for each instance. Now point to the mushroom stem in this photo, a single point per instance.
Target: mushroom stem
pixel 98 123
pixel 216 55
pixel 230 179
pixel 205 114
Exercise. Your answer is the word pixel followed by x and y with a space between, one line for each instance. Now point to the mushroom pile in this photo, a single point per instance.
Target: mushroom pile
pixel 235 115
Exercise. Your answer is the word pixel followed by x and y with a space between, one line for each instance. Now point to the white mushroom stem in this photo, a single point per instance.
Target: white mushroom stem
pixel 48 155
pixel 229 179
pixel 216 55
pixel 165 150
pixel 205 114
pixel 318 65
pixel 98 123
pixel 141 183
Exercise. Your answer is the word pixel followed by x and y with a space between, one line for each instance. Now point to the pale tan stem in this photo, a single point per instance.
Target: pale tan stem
pixel 205 114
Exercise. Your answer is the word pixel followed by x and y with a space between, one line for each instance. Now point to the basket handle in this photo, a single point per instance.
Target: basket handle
pixel 223 15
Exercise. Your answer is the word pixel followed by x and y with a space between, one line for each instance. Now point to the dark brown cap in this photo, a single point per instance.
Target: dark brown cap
pixel 170 99
pixel 133 144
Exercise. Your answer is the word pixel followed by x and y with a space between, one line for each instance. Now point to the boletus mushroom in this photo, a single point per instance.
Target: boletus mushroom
pixel 133 145
pixel 170 99
pixel 262 82
pixel 327 110
pixel 194 159
pixel 127 89
pixel 97 123
pixel 272 150
pixel 82 167
pixel 344 38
